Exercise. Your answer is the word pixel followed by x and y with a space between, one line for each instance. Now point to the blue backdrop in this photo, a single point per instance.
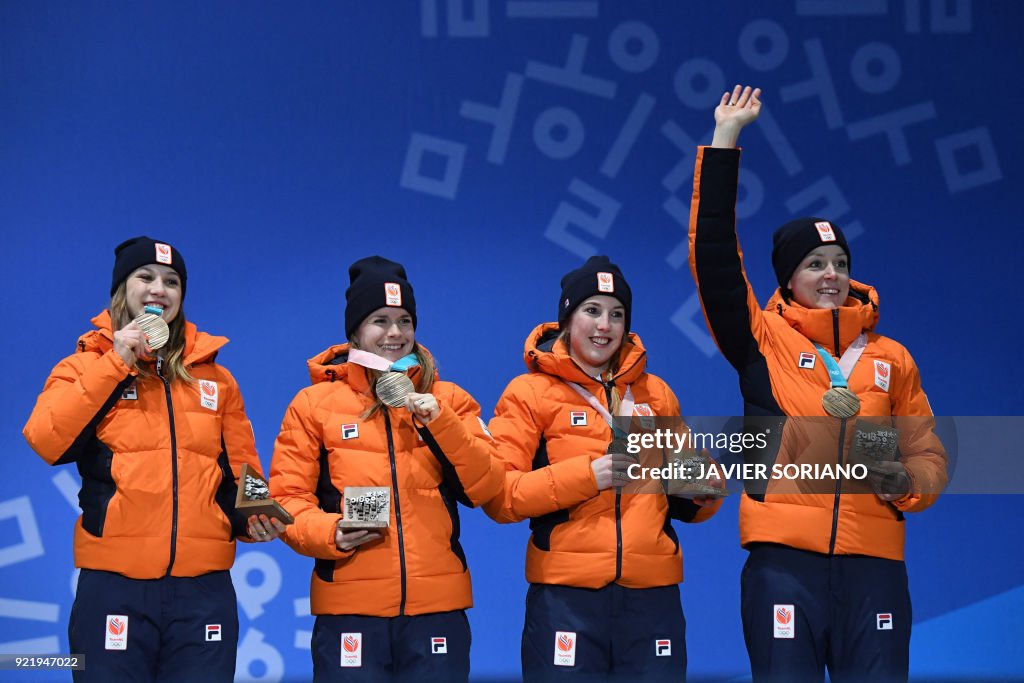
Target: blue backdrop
pixel 491 146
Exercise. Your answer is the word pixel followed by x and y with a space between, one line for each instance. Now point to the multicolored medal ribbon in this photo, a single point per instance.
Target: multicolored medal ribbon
pixel 839 401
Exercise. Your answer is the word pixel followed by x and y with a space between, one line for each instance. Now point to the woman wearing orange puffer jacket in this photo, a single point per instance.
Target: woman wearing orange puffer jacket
pixel 603 565
pixel 389 604
pixel 825 585
pixel 159 438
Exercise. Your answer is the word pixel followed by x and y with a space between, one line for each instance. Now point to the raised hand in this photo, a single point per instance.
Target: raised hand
pixel 736 110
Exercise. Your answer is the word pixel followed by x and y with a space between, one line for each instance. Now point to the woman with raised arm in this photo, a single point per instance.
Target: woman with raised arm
pixel 159 434
pixel 825 585
pixel 603 565
pixel 390 603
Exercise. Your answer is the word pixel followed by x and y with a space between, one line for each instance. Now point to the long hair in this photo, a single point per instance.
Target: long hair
pixel 173 351
pixel 608 375
pixel 423 384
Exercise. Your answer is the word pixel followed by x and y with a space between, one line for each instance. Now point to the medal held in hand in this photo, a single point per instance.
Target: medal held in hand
pixel 153 326
pixel 393 387
pixel 253 497
pixel 840 402
pixel 366 507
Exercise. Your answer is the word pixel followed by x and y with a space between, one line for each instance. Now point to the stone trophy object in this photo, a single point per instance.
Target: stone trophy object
pixel 692 480
pixel 366 507
pixel 873 443
pixel 254 497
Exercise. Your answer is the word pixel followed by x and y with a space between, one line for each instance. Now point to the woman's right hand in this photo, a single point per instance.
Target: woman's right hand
pixel 130 343
pixel 736 110
pixel 610 470
pixel 349 540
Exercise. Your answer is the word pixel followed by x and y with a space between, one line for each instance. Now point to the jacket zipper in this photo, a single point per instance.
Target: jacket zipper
pixel 839 484
pixel 618 499
pixel 842 438
pixel 835 329
pixel 174 464
pixel 398 508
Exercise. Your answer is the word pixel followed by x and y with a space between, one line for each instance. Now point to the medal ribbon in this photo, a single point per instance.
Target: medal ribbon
pixel 839 372
pixel 375 362
pixel 625 407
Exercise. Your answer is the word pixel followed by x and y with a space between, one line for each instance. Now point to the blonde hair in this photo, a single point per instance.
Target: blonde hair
pixel 608 375
pixel 423 384
pixel 173 352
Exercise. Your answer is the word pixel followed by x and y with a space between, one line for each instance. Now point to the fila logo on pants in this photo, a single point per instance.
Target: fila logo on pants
pixel 884 621
pixel 213 633
pixel 663 647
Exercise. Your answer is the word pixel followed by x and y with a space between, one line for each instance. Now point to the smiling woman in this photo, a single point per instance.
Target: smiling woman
pixel 821 564
pixel 159 434
pixel 383 596
pixel 593 548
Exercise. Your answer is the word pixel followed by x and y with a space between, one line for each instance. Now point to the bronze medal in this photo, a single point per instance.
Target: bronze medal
pixel 156 330
pixel 840 402
pixel 393 387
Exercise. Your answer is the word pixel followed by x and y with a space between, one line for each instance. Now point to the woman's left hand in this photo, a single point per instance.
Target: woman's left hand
pixel 889 480
pixel 424 406
pixel 717 482
pixel 263 528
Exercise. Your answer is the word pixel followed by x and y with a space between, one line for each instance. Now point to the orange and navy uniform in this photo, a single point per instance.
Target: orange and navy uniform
pixel 158 460
pixel 418 567
pixel 765 346
pixel 582 537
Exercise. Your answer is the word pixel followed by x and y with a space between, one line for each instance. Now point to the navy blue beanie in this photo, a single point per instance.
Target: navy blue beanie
pixel 143 251
pixel 598 276
pixel 376 282
pixel 794 240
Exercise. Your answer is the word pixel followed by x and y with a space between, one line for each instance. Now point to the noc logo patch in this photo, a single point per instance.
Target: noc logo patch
pixel 825 231
pixel 783 621
pixel 351 649
pixel 116 635
pixel 163 253
pixel 392 294
pixel 565 648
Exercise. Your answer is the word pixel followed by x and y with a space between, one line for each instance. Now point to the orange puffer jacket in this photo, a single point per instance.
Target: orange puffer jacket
pixel 781 374
pixel 548 435
pixel 418 567
pixel 159 461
